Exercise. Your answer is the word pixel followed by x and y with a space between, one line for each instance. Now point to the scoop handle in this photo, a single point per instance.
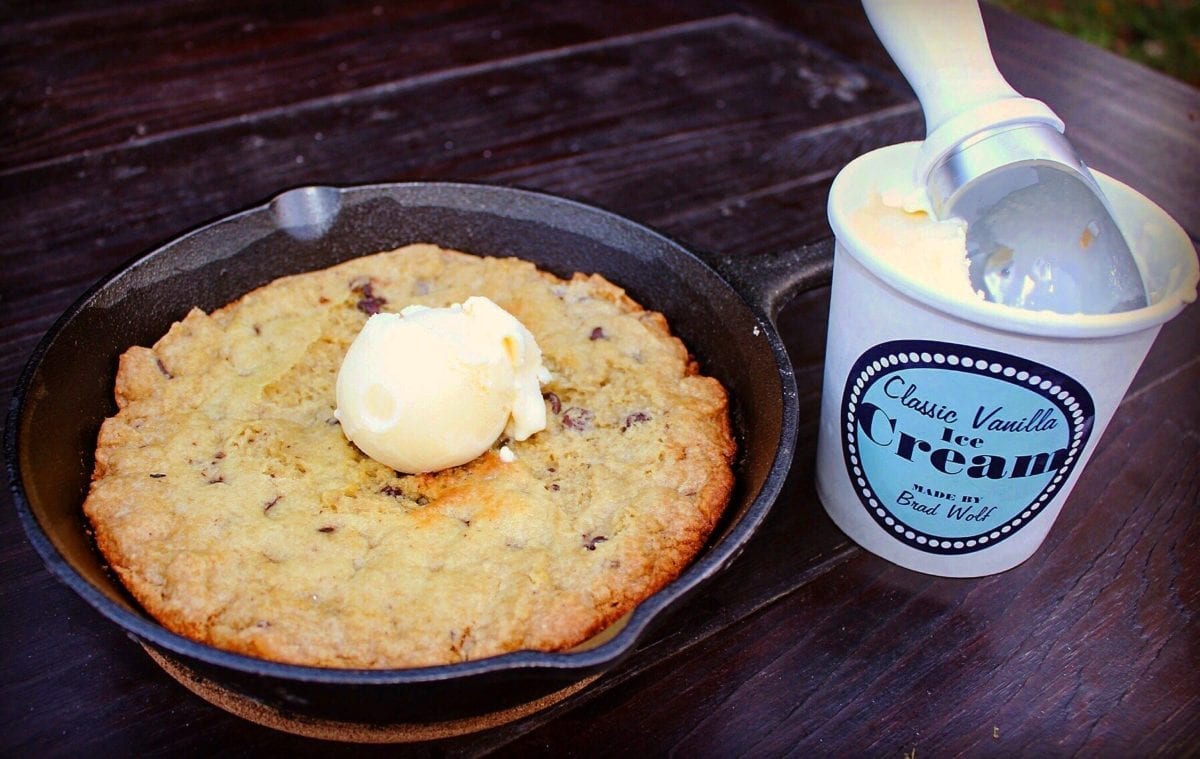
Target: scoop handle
pixel 942 50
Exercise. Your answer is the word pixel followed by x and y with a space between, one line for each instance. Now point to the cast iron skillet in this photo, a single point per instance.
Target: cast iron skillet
pixel 723 309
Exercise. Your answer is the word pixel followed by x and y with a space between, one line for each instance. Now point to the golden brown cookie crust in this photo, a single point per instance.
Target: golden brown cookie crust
pixel 230 504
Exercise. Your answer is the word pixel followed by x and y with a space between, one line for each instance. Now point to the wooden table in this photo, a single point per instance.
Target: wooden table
pixel 722 124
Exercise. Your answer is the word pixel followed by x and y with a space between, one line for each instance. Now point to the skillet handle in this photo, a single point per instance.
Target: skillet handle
pixel 769 280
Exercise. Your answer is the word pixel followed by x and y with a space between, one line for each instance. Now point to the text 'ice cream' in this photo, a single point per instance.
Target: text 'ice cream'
pixel 432 388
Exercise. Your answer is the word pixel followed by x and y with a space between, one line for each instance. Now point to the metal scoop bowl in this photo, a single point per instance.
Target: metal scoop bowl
pixel 1040 235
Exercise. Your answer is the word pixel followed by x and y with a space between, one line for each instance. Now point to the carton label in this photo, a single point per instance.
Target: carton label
pixel 953 448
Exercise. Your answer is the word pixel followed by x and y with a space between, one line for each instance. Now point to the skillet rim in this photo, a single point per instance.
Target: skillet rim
pixel 702 568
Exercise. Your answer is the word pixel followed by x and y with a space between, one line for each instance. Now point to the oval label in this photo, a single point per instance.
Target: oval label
pixel 953 448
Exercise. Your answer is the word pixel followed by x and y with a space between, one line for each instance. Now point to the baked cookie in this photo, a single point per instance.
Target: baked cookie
pixel 228 501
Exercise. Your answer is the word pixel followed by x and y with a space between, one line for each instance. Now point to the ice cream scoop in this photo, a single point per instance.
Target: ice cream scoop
pixel 432 388
pixel 1040 234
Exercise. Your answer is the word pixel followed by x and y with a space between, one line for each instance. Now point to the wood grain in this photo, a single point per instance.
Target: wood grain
pixel 179 65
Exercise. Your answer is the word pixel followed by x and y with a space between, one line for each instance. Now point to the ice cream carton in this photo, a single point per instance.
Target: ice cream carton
pixel 953 428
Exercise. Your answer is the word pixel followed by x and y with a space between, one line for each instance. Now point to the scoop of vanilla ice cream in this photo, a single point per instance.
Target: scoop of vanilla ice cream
pixel 432 388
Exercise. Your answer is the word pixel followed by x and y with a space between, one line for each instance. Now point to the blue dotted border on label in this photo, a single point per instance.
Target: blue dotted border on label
pixel 1067 394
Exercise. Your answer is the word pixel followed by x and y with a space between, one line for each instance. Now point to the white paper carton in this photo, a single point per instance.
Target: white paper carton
pixel 953 430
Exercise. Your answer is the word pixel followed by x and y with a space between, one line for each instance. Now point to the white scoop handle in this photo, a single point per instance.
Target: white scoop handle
pixel 942 50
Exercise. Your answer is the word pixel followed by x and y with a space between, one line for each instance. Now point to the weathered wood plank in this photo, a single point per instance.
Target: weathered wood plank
pixel 180 66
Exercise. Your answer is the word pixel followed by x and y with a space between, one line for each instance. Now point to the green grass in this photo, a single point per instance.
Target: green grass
pixel 1162 34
